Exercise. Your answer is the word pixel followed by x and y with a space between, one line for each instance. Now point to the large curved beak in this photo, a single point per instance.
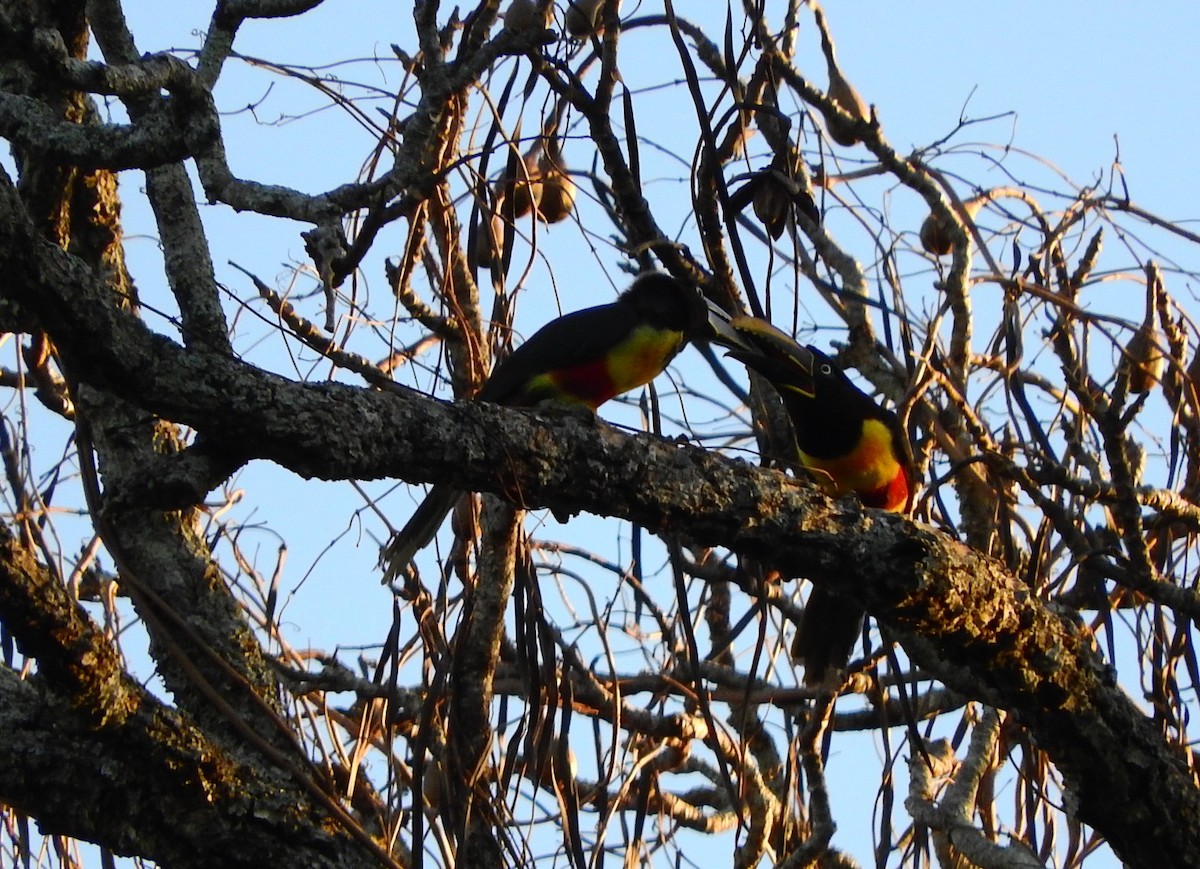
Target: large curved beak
pixel 721 330
pixel 772 353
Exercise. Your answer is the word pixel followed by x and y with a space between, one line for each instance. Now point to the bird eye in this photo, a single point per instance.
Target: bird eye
pixel 826 368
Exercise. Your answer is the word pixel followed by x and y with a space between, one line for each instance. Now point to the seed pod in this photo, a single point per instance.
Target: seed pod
pixel 523 15
pixel 558 196
pixel 1144 360
pixel 771 204
pixel 488 239
pixel 558 190
pixel 841 93
pixel 433 786
pixel 583 18
pixel 773 192
pixel 519 192
pixel 937 234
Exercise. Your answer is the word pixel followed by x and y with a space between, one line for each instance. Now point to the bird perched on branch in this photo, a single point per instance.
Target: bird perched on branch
pixel 583 358
pixel 849 443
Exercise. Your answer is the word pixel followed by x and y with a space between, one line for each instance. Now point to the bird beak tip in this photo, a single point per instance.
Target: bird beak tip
pixel 721 330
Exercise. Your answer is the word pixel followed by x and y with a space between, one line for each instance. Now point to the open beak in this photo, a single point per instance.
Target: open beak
pixel 765 349
pixel 722 331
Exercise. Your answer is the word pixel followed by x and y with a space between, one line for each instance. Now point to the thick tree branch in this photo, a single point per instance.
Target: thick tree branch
pixel 73 655
pixel 161 780
pixel 158 138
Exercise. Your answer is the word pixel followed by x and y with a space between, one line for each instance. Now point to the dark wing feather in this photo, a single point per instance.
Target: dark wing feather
pixel 573 339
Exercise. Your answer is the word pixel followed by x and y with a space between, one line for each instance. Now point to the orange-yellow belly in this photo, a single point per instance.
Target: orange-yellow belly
pixel 637 361
pixel 642 357
pixel 871 471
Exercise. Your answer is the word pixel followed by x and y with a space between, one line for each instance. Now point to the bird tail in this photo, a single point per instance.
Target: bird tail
pixel 420 529
pixel 825 636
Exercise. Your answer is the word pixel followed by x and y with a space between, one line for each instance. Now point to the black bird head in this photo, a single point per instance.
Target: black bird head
pixel 666 303
pixel 790 367
pixel 826 409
